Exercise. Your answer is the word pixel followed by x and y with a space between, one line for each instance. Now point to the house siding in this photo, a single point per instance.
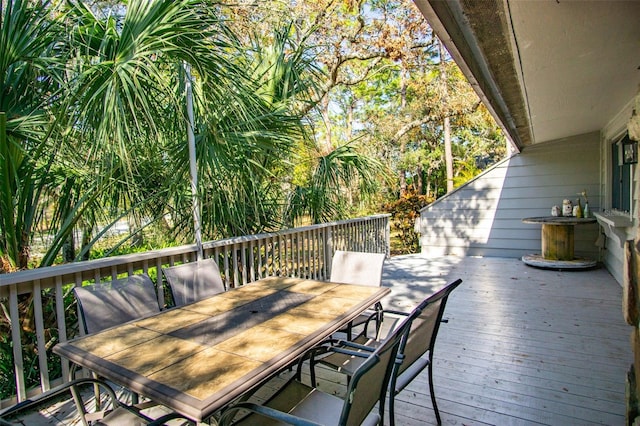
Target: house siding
pixel 613 253
pixel 484 216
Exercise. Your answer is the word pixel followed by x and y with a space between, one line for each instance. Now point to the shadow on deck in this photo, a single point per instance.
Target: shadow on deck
pixel 522 346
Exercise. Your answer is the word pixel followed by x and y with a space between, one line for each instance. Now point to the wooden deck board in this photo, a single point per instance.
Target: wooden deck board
pixel 523 346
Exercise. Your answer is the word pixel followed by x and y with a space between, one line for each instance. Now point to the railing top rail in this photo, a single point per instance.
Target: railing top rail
pixel 163 254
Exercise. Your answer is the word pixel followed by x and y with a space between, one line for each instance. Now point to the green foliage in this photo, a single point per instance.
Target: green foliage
pixel 325 195
pixel 29 340
pixel 404 213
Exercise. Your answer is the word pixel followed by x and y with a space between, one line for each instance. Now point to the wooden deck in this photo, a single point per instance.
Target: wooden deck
pixel 523 346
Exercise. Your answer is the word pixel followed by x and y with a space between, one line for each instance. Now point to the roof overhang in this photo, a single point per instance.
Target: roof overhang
pixel 546 69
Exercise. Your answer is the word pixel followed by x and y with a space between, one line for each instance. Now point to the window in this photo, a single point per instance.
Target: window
pixel 621 178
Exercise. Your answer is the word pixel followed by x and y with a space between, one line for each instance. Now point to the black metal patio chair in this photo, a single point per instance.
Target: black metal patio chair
pixel 193 281
pixel 299 404
pixel 417 349
pixel 352 267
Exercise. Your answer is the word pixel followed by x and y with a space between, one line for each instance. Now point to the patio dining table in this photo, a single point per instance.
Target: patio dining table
pixel 197 358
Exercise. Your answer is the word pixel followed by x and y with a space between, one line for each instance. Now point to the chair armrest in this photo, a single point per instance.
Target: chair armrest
pixel 353 345
pixel 367 351
pixel 56 392
pixel 380 314
pixel 171 416
pixel 229 414
pixel 391 311
pixel 310 355
pixel 350 352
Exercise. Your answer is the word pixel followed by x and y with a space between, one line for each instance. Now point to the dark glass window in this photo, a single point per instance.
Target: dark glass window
pixel 621 179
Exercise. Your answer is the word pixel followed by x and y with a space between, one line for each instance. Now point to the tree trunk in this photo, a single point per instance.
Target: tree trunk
pixel 420 181
pixel 324 111
pixel 403 146
pixel 428 184
pixel 349 123
pixel 69 248
pixel 87 231
pixel 448 152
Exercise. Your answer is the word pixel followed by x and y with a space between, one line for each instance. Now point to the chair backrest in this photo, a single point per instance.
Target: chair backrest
pixel 194 281
pixel 353 267
pixel 370 381
pixel 104 305
pixel 425 326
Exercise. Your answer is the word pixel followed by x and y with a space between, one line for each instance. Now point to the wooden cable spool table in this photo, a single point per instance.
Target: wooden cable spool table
pixel 558 243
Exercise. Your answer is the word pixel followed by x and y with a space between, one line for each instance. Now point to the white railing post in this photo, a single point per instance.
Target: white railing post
pixel 61 322
pixel 387 236
pixel 40 343
pixel 18 364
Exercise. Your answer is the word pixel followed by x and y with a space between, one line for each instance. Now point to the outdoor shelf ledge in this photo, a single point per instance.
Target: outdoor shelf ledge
pixel 617 227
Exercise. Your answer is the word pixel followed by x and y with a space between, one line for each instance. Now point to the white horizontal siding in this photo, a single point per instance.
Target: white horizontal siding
pixel 484 217
pixel 613 254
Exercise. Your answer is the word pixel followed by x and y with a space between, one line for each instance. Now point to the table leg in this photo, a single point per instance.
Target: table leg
pixel 557 242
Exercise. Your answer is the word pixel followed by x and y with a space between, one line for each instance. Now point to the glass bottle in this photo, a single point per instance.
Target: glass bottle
pixel 577 210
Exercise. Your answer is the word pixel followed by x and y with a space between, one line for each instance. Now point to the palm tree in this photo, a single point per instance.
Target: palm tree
pixel 31 69
pixel 114 127
pixel 325 193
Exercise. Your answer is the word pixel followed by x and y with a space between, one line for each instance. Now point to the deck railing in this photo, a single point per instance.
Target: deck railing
pixel 37 303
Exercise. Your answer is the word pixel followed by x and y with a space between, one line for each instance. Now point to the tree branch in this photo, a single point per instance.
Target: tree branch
pixel 428 119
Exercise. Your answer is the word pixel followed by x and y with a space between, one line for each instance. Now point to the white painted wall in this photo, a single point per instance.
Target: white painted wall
pixel 484 217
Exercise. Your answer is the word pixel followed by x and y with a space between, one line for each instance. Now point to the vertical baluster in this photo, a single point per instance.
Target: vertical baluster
pixel 298 248
pixel 308 253
pixel 289 248
pixel 234 253
pixel 312 272
pixel 328 251
pixel 252 268
pixel 273 256
pixel 363 235
pixel 261 246
pixel 227 278
pixel 280 251
pixel 62 324
pixel 18 363
pixel 284 240
pixel 41 344
pixel 160 282
pixel 243 262
pixel 345 237
pixel 387 237
pixel 78 283
pixel 316 250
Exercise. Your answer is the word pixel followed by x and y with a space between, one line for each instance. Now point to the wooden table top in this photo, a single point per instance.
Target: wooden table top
pixel 560 220
pixel 197 358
